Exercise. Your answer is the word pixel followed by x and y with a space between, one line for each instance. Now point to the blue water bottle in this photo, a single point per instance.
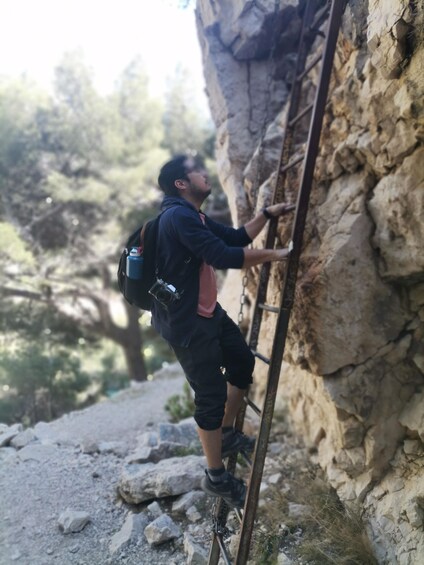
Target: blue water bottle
pixel 134 267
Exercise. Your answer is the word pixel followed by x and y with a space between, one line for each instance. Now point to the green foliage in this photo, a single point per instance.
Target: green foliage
pixel 185 130
pixel 140 115
pixel 37 386
pixel 13 248
pixel 180 406
pixel 78 171
pixel 110 379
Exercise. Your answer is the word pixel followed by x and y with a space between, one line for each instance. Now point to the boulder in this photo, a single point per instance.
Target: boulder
pixel 169 477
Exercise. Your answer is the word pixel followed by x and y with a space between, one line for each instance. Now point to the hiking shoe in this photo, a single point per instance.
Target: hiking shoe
pixel 232 490
pixel 236 441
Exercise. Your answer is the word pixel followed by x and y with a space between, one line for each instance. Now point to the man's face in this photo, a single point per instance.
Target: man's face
pixel 198 180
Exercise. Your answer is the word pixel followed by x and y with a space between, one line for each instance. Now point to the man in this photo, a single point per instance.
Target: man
pixel 186 313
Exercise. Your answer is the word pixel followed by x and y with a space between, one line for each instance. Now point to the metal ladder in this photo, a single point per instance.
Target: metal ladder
pixel 316 15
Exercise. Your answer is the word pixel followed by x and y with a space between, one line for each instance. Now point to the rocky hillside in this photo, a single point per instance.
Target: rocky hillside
pixel 353 376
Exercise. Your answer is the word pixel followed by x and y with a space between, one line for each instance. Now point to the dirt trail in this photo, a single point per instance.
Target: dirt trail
pixel 42 480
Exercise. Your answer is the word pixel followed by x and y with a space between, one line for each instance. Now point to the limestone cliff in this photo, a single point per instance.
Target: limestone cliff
pixel 353 375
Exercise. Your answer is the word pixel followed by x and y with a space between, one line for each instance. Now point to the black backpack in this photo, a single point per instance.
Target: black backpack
pixel 136 292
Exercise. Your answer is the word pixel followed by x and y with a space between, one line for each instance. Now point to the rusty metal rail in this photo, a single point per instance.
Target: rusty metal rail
pixel 315 14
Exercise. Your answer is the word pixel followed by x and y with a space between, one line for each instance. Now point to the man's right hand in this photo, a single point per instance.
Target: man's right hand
pixel 254 257
pixel 283 253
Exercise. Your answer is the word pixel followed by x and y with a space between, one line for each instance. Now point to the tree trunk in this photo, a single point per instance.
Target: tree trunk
pixel 135 362
pixel 132 346
pixel 129 338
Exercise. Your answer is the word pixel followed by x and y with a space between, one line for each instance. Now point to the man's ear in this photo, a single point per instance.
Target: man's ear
pixel 180 183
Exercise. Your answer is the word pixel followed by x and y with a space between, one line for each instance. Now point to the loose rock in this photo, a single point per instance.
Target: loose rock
pixel 154 509
pixel 131 530
pixel 72 521
pixel 23 439
pixel 183 503
pixel 196 554
pixel 161 530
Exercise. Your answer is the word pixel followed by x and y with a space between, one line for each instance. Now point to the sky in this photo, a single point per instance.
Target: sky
pixel 35 34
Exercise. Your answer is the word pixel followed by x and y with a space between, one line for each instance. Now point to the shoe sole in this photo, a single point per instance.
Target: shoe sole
pixel 205 487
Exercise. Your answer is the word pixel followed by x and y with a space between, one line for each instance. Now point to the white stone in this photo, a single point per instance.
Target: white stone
pixel 196 554
pixel 284 559
pixel 161 530
pixel 184 502
pixel 131 531
pixel 23 438
pixel 72 521
pixel 169 477
pixel 274 479
pixel 89 446
pixel 193 514
pixel 154 509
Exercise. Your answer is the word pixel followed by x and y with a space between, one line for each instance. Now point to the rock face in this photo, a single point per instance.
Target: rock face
pixel 353 375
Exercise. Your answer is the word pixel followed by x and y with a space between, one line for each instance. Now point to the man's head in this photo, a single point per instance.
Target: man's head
pixel 185 177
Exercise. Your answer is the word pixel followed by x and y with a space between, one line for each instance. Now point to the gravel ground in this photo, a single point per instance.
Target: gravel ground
pixel 42 480
pixel 70 467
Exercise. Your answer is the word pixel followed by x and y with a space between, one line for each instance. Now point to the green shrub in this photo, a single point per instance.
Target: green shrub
pixel 36 385
pixel 180 406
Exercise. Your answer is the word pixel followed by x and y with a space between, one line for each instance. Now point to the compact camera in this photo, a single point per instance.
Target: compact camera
pixel 164 293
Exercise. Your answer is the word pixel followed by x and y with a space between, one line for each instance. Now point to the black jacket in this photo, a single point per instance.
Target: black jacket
pixel 184 242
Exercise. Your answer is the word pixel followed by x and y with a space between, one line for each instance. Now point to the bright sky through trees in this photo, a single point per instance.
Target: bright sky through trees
pixel 35 33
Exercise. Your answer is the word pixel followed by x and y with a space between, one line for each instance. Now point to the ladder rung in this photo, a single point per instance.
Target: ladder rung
pixel 261 357
pixel 223 549
pixel 300 115
pixel 269 308
pixel 253 406
pixel 292 163
pixel 311 65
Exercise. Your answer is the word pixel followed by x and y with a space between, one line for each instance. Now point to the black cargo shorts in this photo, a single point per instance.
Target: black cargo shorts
pixel 216 344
